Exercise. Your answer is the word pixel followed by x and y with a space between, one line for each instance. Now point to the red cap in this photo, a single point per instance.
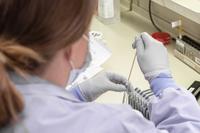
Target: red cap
pixel 162 37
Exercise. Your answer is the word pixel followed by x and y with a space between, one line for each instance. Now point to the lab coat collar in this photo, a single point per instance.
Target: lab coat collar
pixel 34 85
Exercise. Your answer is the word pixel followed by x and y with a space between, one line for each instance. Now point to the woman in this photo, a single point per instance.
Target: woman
pixel 43 48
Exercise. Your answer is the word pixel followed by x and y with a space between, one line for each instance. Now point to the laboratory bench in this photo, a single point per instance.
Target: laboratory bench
pixel 119 38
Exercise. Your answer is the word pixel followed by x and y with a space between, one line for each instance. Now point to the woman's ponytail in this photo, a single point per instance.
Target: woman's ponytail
pixel 11 103
pixel 19 59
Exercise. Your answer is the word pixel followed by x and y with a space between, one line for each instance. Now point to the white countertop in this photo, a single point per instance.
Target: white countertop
pixel 119 39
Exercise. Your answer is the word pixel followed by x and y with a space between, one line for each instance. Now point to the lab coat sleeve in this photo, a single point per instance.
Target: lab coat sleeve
pixel 176 111
pixel 75 90
pixel 173 108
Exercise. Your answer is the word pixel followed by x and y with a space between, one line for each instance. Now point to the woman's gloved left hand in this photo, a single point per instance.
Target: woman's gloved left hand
pixel 91 89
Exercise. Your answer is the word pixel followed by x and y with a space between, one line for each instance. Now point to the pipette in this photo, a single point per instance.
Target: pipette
pixel 130 73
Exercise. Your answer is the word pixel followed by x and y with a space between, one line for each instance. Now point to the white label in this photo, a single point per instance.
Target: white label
pixel 180 43
pixel 197 60
pixel 176 23
pixel 106 8
pixel 191 89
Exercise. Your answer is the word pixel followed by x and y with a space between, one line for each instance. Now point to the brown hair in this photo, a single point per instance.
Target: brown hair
pixel 32 31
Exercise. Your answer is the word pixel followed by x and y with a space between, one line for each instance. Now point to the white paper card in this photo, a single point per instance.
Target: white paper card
pixel 176 23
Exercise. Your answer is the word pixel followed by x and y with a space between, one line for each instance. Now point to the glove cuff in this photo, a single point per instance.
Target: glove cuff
pixel 77 93
pixel 152 75
pixel 161 82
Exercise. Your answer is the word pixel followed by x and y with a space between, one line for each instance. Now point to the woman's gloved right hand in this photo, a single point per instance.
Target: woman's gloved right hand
pixel 153 60
pixel 152 56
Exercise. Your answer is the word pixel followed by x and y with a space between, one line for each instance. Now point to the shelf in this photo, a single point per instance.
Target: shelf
pixel 189 9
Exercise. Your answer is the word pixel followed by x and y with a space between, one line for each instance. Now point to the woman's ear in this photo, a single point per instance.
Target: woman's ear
pixel 68 53
pixel 77 52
